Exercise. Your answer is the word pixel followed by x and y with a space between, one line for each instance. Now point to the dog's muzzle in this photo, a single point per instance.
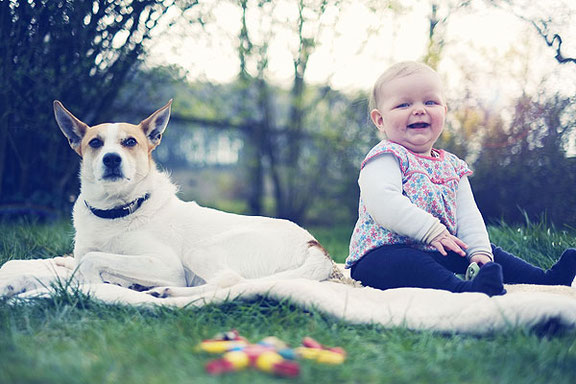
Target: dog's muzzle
pixel 112 166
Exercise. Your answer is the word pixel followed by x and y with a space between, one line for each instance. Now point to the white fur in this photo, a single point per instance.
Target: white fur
pixel 168 242
pixel 112 145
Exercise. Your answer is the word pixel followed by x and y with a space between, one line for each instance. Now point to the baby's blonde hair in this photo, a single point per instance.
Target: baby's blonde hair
pixel 404 68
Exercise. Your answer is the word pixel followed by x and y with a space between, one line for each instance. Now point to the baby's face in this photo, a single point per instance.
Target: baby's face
pixel 411 111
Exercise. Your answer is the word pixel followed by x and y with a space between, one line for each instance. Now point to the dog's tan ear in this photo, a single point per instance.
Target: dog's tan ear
pixel 154 126
pixel 71 127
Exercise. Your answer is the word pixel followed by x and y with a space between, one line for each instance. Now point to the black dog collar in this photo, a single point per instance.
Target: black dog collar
pixel 118 212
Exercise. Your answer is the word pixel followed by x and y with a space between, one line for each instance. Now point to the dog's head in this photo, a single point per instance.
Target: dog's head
pixel 113 153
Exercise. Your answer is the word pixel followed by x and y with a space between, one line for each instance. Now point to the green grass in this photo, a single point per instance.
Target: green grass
pixel 534 242
pixel 73 339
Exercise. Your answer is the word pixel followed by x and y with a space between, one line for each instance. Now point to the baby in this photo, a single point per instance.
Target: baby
pixel 418 222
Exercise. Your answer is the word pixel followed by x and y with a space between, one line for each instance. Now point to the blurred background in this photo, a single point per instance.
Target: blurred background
pixel 270 97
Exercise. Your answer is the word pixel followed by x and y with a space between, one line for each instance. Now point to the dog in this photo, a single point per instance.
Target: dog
pixel 132 230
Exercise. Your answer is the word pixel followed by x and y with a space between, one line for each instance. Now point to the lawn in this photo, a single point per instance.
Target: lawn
pixel 73 339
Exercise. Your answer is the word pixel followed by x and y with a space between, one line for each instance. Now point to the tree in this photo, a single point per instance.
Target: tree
pixel 440 12
pixel 544 18
pixel 555 41
pixel 77 51
pixel 522 167
pixel 292 147
pixel 518 149
pixel 279 126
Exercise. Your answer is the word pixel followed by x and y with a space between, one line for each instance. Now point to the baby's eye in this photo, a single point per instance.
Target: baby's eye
pixel 403 105
pixel 431 102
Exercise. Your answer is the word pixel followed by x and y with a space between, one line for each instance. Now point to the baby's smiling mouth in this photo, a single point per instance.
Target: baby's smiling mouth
pixel 418 125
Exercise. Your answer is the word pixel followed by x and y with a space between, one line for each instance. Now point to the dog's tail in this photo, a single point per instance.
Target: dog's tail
pixel 336 274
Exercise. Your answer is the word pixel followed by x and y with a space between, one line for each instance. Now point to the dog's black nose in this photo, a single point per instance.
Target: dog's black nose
pixel 112 160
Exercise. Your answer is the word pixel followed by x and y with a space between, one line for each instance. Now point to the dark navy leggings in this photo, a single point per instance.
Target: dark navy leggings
pixel 396 266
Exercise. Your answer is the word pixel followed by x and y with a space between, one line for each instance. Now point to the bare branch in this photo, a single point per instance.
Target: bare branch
pixel 556 39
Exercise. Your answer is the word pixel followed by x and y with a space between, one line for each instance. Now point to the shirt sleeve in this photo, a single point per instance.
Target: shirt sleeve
pixel 380 184
pixel 471 228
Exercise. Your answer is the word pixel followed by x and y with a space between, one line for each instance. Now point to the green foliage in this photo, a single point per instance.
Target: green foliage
pixel 522 168
pixel 300 146
pixel 535 241
pixel 71 338
pixel 520 165
pixel 79 52
pixel 333 140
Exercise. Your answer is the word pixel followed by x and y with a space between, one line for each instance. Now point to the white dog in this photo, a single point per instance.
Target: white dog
pixel 132 230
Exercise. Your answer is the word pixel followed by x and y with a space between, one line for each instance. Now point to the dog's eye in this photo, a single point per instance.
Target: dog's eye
pixel 129 142
pixel 96 143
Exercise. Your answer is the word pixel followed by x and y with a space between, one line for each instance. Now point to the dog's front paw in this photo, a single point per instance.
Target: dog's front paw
pixel 159 292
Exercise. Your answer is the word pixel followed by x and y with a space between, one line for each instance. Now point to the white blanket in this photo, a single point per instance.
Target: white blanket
pixel 413 308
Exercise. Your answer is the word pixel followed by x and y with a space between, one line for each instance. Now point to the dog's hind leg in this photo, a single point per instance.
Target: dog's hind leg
pixel 317 266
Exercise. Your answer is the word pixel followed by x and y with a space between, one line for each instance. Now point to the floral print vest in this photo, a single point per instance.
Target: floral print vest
pixel 430 183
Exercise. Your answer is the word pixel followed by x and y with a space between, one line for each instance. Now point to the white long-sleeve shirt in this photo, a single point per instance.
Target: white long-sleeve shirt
pixel 381 191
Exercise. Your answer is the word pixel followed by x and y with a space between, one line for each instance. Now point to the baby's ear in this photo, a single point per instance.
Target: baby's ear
pixel 155 125
pixel 377 118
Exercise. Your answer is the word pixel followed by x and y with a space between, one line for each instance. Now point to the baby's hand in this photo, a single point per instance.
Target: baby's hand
pixel 480 259
pixel 446 241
